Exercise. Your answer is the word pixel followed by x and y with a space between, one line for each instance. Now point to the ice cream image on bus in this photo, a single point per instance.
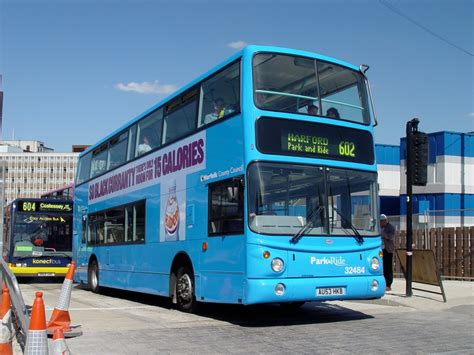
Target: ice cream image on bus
pixel 172 214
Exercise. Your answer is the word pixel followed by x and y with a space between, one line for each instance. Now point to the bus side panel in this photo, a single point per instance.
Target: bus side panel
pixel 223 263
pixel 135 266
pixel 222 269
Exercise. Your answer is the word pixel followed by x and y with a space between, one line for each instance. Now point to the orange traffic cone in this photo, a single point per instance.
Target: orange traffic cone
pixel 6 333
pixel 60 317
pixel 59 343
pixel 37 339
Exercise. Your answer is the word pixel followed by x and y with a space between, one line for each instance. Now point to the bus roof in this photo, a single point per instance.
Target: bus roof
pixel 247 51
pixel 38 199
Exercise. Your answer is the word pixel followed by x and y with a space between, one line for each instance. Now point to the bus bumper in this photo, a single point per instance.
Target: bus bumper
pixel 28 271
pixel 306 289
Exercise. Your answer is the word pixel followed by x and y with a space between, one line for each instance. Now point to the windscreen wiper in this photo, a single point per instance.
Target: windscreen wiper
pixel 307 226
pixel 357 235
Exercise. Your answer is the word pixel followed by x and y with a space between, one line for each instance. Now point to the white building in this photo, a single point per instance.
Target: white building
pixel 28 146
pixel 447 200
pixel 32 174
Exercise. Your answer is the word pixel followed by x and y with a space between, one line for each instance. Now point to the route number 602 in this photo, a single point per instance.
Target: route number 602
pixel 347 149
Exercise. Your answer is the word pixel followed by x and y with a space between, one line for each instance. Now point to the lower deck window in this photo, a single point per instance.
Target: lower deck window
pixel 119 225
pixel 226 207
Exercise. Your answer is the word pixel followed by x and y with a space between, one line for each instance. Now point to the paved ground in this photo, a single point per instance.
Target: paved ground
pixel 117 322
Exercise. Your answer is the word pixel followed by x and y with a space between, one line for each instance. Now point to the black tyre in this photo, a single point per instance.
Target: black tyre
pixel 185 292
pixel 93 277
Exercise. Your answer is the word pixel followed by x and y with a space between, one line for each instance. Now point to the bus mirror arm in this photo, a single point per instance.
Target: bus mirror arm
pixel 363 69
pixel 233 190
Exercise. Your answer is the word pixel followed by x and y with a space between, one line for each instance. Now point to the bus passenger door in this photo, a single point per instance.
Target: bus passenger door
pixel 82 252
pixel 222 264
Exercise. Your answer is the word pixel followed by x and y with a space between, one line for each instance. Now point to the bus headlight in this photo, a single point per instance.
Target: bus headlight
pixel 374 264
pixel 280 289
pixel 277 264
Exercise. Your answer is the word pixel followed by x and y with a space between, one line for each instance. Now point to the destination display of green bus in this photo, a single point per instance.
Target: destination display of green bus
pixel 315 140
pixel 42 206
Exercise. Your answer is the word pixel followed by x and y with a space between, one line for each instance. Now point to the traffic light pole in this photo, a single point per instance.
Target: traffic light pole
pixel 411 127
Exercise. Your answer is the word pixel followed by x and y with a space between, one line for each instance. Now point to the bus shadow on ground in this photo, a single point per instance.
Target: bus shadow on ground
pixel 269 315
pixel 262 315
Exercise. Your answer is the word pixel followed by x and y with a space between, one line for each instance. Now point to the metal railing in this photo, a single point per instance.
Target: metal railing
pixel 21 316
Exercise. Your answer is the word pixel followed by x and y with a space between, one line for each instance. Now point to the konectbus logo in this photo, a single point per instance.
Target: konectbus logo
pixel 46 261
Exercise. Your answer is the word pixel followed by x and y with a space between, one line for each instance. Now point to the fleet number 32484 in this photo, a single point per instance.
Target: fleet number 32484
pixel 350 270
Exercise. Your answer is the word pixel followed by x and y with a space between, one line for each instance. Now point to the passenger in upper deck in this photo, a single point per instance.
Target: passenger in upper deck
pixel 145 145
pixel 220 111
pixel 312 109
pixel 219 106
pixel 333 113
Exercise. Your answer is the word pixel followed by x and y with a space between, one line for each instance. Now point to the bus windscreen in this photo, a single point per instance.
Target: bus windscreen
pixel 42 234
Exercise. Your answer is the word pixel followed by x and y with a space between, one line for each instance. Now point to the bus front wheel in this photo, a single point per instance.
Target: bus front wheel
pixel 185 295
pixel 93 274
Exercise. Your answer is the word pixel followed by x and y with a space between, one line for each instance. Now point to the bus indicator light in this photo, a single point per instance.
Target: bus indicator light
pixel 204 246
pixel 266 254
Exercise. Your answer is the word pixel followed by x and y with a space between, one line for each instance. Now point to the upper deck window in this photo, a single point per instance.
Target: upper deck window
pixel 84 169
pixel 180 116
pixel 307 86
pixel 220 95
pixel 118 150
pixel 149 133
pixel 99 160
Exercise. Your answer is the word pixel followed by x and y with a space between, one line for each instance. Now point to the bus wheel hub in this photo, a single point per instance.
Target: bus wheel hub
pixel 184 287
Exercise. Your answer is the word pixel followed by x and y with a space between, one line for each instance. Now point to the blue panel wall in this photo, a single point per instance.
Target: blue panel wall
pixel 468 145
pixel 390 205
pixel 445 143
pixel 469 201
pixel 454 202
pixel 387 154
pixel 440 144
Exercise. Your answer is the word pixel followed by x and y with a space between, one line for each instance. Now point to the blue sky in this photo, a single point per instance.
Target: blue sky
pixel 73 71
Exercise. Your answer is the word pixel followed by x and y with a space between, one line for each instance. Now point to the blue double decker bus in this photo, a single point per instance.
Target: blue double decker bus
pixel 255 183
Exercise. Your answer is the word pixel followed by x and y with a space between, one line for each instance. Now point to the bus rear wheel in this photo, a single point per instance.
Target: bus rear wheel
pixel 93 277
pixel 185 294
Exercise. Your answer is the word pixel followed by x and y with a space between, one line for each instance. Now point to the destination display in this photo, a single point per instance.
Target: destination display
pixel 315 140
pixel 42 206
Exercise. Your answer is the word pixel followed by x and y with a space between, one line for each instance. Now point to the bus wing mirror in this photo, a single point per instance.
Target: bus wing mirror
pixel 363 69
pixel 233 193
pixel 233 190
